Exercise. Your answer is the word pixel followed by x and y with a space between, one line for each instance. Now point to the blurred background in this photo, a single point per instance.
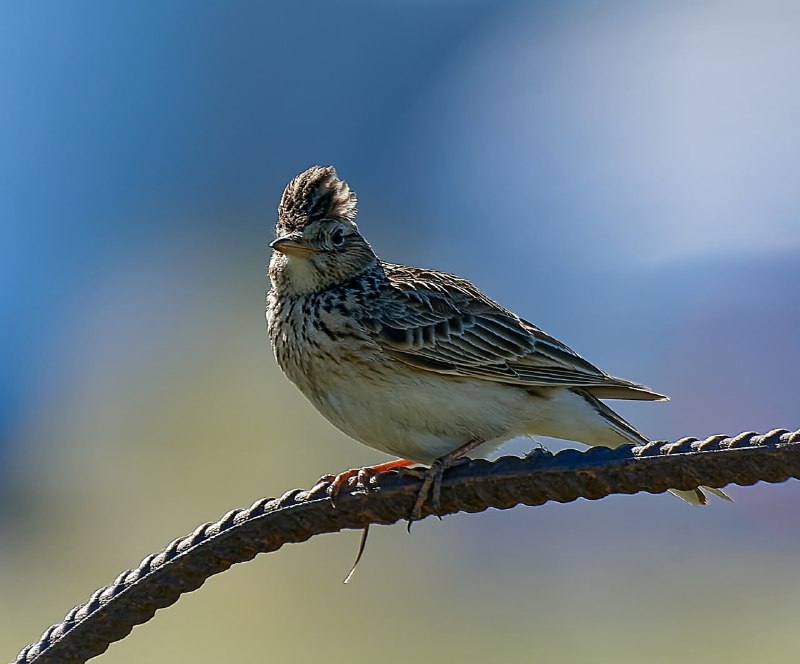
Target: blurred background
pixel 622 174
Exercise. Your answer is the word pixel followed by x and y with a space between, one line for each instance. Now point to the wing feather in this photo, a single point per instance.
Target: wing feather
pixel 439 322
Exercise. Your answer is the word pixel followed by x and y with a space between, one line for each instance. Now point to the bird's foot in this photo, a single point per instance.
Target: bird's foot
pixel 364 477
pixel 337 482
pixel 431 485
pixel 432 478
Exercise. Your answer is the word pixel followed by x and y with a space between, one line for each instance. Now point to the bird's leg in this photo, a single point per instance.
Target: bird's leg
pixel 432 477
pixel 362 475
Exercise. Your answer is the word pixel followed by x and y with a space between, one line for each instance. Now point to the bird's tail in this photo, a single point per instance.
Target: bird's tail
pixel 617 423
pixel 698 496
pixel 626 432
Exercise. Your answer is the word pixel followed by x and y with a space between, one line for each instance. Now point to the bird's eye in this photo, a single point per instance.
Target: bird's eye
pixel 337 237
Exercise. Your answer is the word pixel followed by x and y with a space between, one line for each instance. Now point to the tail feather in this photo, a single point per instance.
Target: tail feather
pixel 617 423
pixel 698 497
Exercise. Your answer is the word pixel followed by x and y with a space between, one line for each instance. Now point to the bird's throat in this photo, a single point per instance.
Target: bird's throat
pixel 299 276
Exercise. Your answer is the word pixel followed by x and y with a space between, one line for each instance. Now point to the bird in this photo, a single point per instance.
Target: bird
pixel 418 363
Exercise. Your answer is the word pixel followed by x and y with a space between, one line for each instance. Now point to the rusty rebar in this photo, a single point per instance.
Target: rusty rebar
pixel 132 599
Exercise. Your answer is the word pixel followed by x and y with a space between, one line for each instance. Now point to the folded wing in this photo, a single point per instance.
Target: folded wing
pixel 438 322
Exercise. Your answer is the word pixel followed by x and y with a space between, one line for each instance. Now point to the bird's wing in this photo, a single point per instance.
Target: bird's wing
pixel 441 323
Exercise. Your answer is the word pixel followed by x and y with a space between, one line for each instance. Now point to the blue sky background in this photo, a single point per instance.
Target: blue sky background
pixel 622 174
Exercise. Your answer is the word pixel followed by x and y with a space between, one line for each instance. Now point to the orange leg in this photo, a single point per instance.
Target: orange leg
pixel 362 475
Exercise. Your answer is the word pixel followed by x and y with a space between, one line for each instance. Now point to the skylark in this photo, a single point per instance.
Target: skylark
pixel 419 363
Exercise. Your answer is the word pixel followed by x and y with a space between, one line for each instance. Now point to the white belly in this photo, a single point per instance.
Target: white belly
pixel 423 416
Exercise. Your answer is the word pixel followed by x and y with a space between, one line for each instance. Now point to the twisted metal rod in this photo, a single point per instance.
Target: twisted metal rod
pixel 160 579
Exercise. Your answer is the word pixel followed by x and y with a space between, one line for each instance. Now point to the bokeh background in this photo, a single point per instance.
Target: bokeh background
pixel 623 174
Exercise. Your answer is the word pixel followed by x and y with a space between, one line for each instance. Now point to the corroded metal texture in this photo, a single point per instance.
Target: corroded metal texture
pixel 160 579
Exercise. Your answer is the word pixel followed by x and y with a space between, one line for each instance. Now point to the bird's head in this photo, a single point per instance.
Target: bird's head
pixel 317 242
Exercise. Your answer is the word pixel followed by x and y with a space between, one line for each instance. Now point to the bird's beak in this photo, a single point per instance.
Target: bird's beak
pixel 293 246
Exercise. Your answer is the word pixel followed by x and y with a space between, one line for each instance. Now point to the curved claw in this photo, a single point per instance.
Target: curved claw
pixel 364 477
pixel 431 486
pixel 432 479
pixel 428 482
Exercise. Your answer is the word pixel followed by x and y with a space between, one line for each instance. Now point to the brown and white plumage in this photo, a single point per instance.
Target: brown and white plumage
pixel 439 322
pixel 419 363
